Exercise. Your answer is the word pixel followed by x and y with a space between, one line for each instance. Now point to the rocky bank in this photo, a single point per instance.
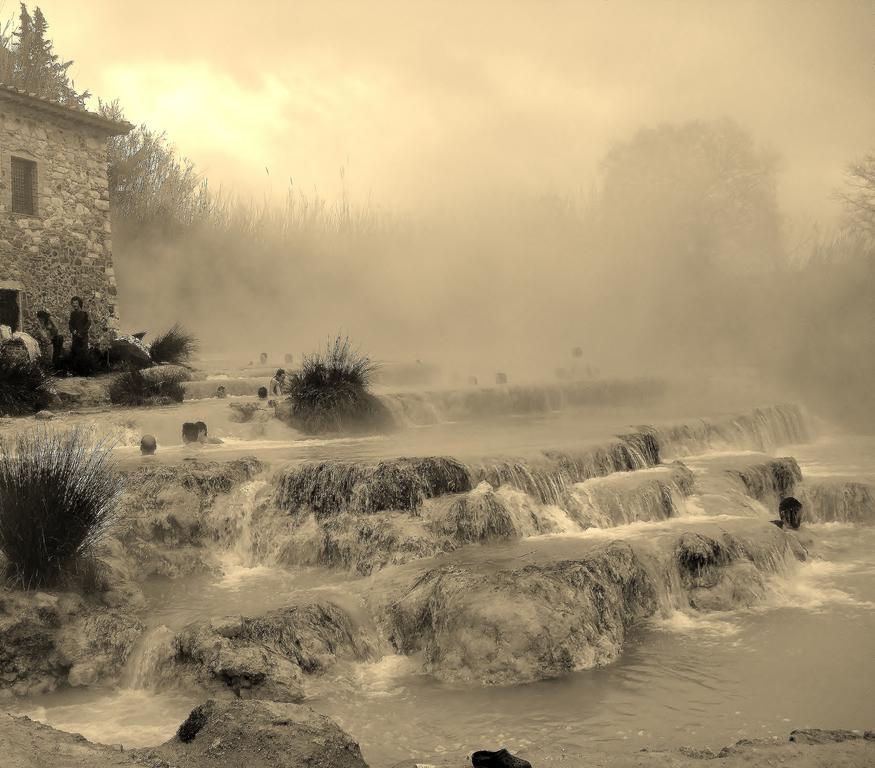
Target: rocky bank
pixel 262 734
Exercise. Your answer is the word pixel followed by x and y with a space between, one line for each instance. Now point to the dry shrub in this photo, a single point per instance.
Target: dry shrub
pixel 58 497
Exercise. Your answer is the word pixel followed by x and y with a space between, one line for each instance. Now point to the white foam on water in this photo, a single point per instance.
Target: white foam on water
pixel 698 624
pixel 693 506
pixel 384 676
pixel 832 526
pixel 811 587
pixel 235 575
pixel 560 520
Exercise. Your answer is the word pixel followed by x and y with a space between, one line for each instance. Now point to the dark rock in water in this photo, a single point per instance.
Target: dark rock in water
pixel 193 724
pixel 790 510
pixel 500 759
pixel 190 432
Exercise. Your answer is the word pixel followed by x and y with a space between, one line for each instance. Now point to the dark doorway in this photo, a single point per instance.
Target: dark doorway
pixel 10 309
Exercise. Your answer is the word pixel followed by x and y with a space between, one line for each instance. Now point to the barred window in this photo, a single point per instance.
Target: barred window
pixel 23 186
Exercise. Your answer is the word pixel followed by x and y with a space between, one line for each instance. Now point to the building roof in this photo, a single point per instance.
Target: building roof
pixel 76 114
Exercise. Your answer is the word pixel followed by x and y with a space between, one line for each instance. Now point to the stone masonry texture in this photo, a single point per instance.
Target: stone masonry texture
pixel 65 249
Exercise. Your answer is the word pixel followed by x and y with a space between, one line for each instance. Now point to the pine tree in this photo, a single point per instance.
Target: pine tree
pixel 28 61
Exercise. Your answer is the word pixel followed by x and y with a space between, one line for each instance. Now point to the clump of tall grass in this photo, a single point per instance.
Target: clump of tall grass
pixel 134 389
pixel 175 346
pixel 25 388
pixel 330 393
pixel 58 497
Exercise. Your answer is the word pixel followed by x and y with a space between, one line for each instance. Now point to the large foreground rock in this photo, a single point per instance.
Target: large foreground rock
pixel 254 734
pixel 259 734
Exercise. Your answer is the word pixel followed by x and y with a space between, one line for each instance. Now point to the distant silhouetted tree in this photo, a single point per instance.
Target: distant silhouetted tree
pixel 28 61
pixel 698 193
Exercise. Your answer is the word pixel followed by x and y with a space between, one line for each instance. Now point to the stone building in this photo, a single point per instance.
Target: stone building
pixel 55 233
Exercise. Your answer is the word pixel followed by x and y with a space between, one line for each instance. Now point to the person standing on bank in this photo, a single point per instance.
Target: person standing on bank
pixel 51 341
pixel 80 322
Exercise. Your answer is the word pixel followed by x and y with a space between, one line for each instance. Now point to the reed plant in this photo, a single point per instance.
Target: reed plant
pixel 58 499
pixel 132 388
pixel 25 387
pixel 330 393
pixel 175 346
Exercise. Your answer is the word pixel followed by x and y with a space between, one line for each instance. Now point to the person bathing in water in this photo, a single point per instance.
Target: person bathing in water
pixel 790 512
pixel 276 388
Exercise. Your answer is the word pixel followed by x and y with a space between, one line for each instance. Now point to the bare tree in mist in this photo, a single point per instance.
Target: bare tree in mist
pixel 149 182
pixel 859 197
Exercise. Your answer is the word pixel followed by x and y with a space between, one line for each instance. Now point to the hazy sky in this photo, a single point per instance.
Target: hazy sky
pixel 436 101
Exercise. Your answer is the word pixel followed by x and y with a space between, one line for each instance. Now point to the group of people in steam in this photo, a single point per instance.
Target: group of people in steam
pixel 52 342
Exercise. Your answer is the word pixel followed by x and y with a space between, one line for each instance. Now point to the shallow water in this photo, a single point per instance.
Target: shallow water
pixel 804 659
pixel 801 659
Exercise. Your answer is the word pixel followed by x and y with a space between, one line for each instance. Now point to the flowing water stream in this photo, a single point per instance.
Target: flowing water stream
pixel 801 658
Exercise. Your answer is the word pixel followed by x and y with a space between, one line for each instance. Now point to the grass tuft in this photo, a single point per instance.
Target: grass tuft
pixel 58 497
pixel 25 388
pixel 330 393
pixel 132 388
pixel 174 346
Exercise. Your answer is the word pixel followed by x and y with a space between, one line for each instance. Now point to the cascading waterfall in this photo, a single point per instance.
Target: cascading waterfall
pixel 547 478
pixel 769 481
pixel 424 408
pixel 619 499
pixel 150 657
pixel 231 522
pixel 838 501
pixel 763 429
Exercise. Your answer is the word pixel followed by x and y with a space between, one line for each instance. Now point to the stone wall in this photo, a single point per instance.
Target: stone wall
pixel 65 249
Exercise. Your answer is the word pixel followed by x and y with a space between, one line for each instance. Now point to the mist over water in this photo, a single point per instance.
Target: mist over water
pixel 660 189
